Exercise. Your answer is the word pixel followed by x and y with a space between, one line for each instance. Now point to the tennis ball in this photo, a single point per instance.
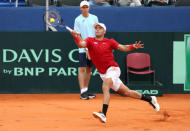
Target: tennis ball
pixel 52 20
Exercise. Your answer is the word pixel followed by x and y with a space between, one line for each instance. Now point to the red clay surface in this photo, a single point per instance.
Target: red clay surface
pixel 64 112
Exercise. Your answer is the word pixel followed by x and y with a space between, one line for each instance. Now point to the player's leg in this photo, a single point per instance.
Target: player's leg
pixel 134 94
pixel 107 84
pixel 81 76
pixel 124 90
pixel 109 79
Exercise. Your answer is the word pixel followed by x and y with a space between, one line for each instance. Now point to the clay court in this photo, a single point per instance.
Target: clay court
pixel 66 112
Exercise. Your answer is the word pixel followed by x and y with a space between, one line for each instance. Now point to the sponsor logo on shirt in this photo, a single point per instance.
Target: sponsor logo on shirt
pixel 95 42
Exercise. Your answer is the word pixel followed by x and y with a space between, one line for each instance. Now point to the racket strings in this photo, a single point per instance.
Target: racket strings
pixel 52 14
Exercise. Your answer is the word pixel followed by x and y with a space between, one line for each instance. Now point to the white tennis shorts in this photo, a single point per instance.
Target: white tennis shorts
pixel 113 73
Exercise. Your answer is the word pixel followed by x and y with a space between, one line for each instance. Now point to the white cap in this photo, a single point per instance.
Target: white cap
pixel 84 3
pixel 100 24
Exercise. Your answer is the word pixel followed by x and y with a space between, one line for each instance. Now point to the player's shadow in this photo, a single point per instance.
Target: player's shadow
pixel 164 115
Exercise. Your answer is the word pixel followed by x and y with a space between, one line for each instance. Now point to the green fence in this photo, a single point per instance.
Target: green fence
pixel 47 62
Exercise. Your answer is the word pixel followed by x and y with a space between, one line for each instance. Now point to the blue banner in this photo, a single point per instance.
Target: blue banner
pixel 117 19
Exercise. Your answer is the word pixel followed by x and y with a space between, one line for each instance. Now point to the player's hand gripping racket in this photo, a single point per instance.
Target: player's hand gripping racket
pixel 53 18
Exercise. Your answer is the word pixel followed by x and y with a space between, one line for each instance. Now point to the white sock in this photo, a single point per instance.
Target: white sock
pixel 84 90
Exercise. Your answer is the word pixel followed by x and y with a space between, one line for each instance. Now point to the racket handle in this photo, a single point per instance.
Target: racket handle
pixel 69 29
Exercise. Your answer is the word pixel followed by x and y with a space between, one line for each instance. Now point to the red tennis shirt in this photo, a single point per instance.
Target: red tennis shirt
pixel 101 53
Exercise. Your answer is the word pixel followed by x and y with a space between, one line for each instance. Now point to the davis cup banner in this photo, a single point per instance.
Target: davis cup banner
pixel 46 56
pixel 40 62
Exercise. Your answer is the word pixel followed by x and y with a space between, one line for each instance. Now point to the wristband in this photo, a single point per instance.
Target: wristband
pixel 131 47
pixel 77 39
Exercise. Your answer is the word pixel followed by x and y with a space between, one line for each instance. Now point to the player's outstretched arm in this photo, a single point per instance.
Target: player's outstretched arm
pixel 80 43
pixel 126 48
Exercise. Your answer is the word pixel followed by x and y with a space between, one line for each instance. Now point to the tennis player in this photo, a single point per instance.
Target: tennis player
pixel 84 26
pixel 100 50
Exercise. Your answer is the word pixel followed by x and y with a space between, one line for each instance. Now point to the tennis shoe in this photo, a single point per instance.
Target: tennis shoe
pixel 100 116
pixel 154 103
pixel 84 96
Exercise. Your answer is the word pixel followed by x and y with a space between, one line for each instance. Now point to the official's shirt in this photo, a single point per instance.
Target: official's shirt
pixel 85 27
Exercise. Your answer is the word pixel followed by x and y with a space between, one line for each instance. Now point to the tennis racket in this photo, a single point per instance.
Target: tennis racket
pixel 53 18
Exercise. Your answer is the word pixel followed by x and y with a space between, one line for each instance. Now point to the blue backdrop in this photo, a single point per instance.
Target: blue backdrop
pixel 117 19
